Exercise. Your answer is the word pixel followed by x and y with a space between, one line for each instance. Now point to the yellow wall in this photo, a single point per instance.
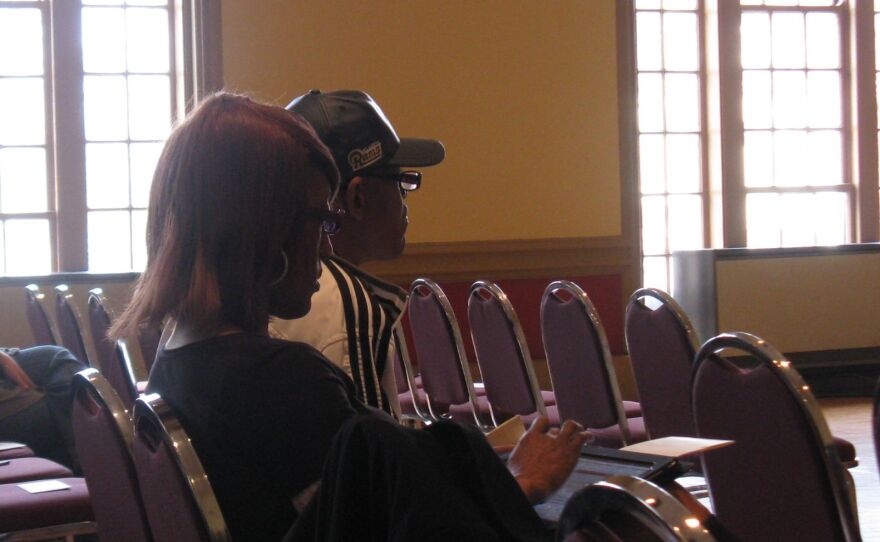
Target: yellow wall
pixel 523 94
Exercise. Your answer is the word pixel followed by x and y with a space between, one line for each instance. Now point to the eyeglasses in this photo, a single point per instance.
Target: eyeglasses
pixel 331 221
pixel 407 180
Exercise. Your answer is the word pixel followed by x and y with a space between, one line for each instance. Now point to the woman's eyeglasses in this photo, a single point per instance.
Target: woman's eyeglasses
pixel 331 221
pixel 407 180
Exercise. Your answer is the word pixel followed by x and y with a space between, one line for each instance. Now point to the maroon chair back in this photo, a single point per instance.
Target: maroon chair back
pixel 38 319
pixel 876 423
pixel 103 432
pixel 113 359
pixel 782 478
pixel 661 344
pixel 440 351
pixel 148 340
pixel 178 497
pixel 502 353
pixel 579 360
pixel 69 324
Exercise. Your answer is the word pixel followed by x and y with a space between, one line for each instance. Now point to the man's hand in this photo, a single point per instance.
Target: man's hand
pixel 544 457
pixel 15 373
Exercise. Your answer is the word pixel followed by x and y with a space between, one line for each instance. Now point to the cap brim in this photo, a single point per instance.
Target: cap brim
pixel 414 152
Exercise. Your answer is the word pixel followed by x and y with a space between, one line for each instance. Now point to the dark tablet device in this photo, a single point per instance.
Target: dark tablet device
pixel 598 463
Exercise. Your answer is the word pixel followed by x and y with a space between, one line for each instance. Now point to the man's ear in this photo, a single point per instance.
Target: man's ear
pixel 355 198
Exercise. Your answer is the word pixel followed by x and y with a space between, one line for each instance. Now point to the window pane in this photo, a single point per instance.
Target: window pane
pixel 755 32
pixel 652 162
pixel 685 223
pixel 789 99
pixel 653 225
pixel 757 99
pixel 788 40
pixel 22 112
pixel 650 102
pixel 823 40
pixel 147 40
pixel 139 240
pixel 27 245
pixel 798 214
pixel 22 180
pixel 655 274
pixel 762 220
pixel 789 158
pixel 682 102
pixel 831 218
pixel 106 108
pixel 680 4
pixel 680 41
pixel 823 93
pixel 647 4
pixel 109 237
pixel 824 158
pixel 683 163
pixel 758 158
pixel 103 40
pixel 150 111
pixel 143 162
pixel 147 2
pixel 648 41
pixel 107 175
pixel 21 31
pixel 103 2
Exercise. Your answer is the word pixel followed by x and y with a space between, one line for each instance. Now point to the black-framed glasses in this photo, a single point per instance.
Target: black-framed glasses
pixel 331 221
pixel 408 181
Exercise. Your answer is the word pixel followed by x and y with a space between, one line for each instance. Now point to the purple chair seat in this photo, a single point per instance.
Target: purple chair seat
pixel 18 451
pixel 610 436
pixel 20 510
pixel 632 409
pixel 552 415
pixel 406 401
pixel 464 413
pixel 24 469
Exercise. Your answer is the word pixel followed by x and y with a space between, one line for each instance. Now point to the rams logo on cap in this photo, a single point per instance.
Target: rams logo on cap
pixel 360 158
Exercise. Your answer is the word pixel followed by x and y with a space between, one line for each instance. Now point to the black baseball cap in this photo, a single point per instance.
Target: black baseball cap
pixel 359 135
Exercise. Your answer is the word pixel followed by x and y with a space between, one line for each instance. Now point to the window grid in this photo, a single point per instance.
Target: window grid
pixel 670 133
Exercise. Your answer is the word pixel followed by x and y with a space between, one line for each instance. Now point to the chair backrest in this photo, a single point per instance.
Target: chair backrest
pixel 579 360
pixel 38 318
pixel 782 478
pixel 876 423
pixel 103 432
pixel 502 353
pixel 405 374
pixel 629 508
pixel 180 502
pixel 149 338
pixel 70 323
pixel 113 358
pixel 446 377
pixel 661 342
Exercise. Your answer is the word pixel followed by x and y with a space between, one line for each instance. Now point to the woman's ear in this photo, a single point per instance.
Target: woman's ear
pixel 355 198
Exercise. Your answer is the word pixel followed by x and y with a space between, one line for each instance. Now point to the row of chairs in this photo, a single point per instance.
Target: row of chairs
pixel 113 358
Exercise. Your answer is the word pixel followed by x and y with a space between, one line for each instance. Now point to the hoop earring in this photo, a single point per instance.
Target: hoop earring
pixel 283 271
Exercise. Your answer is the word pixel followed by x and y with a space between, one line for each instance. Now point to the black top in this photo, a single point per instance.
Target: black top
pixel 261 414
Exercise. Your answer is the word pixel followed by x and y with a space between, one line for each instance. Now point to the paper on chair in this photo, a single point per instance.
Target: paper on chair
pixel 44 486
pixel 10 446
pixel 507 434
pixel 677 446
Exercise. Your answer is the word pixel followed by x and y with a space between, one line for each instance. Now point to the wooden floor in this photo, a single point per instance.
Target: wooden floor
pixel 850 418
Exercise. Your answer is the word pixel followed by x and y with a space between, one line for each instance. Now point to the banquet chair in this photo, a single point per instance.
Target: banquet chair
pixel 23 469
pixel 782 479
pixel 37 316
pixel 661 342
pixel 103 433
pixel 581 367
pixel 629 508
pixel 70 324
pixel 503 357
pixel 11 450
pixel 410 393
pixel 148 341
pixel 112 356
pixel 179 499
pixel 446 376
pixel 50 515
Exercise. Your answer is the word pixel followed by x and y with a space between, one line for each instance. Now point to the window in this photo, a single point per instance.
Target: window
pixel 752 125
pixel 88 93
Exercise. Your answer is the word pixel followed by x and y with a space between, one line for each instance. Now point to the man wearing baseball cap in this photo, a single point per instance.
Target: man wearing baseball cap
pixel 354 313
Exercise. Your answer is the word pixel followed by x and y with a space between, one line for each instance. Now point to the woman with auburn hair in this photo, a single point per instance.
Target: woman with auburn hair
pixel 239 201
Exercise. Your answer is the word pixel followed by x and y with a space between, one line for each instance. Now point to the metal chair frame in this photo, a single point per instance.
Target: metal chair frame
pixel 583 300
pixel 782 369
pixel 64 303
pixel 483 288
pixel 410 375
pixel 680 314
pixel 454 332
pixel 153 415
pixel 98 300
